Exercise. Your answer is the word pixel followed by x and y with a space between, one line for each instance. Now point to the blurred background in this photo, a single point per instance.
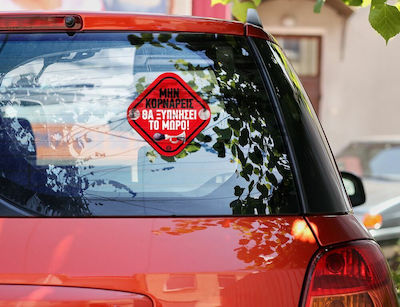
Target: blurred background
pixel 349 73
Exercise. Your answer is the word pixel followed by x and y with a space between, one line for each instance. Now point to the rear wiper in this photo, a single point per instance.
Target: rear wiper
pixel 64 58
pixel 81 85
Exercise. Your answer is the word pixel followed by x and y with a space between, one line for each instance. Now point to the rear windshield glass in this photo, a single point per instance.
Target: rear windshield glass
pixel 67 148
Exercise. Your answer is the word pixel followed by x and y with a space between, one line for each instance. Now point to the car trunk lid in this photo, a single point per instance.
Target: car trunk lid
pixel 189 261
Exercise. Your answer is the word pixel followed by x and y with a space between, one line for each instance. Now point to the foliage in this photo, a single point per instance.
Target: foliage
pixel 260 241
pixel 246 134
pixel 242 130
pixel 383 17
pixel 239 7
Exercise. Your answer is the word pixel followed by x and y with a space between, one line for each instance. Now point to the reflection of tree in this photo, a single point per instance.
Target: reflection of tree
pixel 248 132
pixel 261 241
pixel 46 190
pixel 244 130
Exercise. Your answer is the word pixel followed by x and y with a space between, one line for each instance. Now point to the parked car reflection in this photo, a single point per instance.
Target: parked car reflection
pixel 377 161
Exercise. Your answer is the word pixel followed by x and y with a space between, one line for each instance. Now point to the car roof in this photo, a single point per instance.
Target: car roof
pixel 122 21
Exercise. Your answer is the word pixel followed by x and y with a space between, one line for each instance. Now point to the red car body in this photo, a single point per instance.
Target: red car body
pixel 165 261
pixel 247 262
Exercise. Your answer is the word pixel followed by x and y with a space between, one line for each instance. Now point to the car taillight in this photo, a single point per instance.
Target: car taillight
pixel 40 22
pixel 354 275
pixel 372 221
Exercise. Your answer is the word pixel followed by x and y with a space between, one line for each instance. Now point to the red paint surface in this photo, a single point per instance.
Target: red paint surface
pixel 258 32
pixel 140 22
pixel 169 114
pixel 102 21
pixel 212 261
pixel 23 295
pixel 37 22
pixel 334 229
pixel 98 21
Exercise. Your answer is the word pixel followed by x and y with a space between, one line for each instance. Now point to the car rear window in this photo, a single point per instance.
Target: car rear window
pixel 68 149
pixel 322 185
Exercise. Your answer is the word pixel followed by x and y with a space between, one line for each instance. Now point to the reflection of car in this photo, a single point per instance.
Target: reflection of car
pixel 225 194
pixel 377 161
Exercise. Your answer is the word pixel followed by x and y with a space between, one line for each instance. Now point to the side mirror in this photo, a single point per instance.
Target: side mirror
pixel 354 188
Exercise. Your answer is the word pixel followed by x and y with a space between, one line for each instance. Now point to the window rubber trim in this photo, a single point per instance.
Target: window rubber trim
pixel 266 78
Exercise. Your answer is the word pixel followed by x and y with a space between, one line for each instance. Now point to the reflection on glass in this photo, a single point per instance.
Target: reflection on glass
pixel 68 150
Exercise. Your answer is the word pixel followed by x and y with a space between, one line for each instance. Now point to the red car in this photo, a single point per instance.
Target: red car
pixel 169 161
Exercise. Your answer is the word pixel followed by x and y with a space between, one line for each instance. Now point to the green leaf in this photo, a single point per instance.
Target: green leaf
pixel 353 2
pixel 366 3
pixel 139 88
pixel 224 134
pixel 168 159
pixel 318 6
pixel 204 138
pixel 247 171
pixel 181 155
pixel 151 155
pixel 164 37
pixel 385 19
pixel 224 2
pixel 193 147
pixel 156 44
pixel 257 2
pixel 235 124
pixel 135 40
pixel 236 206
pixel 208 88
pixel 251 186
pixel 239 9
pixel 256 156
pixel 241 157
pixel 263 189
pixel 147 37
pixel 244 137
pixel 234 150
pixel 219 147
pixel 238 191
pixel 272 179
pixel 174 46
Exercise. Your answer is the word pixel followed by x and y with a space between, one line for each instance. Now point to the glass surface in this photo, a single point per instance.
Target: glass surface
pixel 67 148
pixel 322 184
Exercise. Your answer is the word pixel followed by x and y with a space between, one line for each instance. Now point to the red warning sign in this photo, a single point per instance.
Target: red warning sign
pixel 169 114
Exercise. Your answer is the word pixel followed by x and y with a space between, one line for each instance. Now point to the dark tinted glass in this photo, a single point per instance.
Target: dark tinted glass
pixel 67 148
pixel 324 191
